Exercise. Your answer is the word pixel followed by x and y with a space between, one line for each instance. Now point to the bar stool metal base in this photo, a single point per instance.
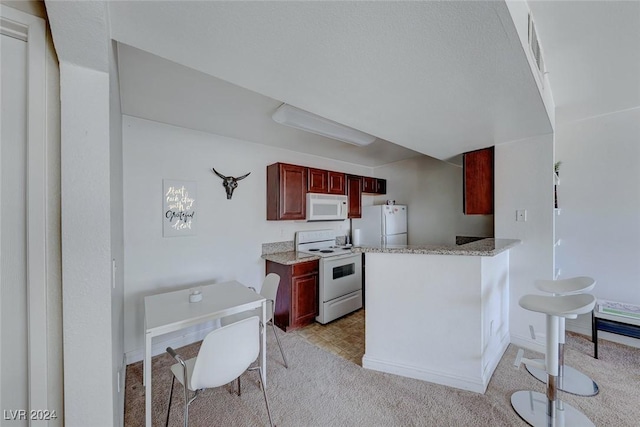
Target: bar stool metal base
pixel 531 406
pixel 572 381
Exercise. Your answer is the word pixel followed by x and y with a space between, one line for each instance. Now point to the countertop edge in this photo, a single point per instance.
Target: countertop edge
pixel 485 247
pixel 288 258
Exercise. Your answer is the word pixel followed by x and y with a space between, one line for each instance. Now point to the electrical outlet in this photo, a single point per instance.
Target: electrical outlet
pixel 521 215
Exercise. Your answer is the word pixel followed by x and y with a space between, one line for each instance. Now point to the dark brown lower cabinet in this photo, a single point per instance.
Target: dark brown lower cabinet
pixel 297 300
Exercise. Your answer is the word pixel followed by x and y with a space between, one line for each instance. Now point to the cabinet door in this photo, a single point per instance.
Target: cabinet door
pixel 337 183
pixel 381 186
pixel 286 191
pixel 318 181
pixel 368 185
pixel 354 192
pixel 304 299
pixel 293 190
pixel 478 182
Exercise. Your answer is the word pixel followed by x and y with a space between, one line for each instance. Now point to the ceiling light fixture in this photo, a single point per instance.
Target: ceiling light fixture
pixel 291 116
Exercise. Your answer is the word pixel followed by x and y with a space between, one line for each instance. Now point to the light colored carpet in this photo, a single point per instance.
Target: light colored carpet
pixel 321 389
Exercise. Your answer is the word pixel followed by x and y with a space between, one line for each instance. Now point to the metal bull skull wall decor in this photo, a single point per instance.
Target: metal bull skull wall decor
pixel 229 183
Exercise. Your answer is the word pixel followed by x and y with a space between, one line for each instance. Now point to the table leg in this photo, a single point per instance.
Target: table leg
pixel 594 335
pixel 147 379
pixel 263 347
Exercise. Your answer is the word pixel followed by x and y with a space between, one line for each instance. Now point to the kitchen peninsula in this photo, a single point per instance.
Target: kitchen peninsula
pixel 438 313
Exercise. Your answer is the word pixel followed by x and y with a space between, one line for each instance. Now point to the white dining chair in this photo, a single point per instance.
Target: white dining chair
pixel 269 291
pixel 225 354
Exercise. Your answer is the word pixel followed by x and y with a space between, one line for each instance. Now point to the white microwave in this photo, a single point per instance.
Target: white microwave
pixel 326 207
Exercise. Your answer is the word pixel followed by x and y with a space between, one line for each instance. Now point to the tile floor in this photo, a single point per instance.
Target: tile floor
pixel 343 337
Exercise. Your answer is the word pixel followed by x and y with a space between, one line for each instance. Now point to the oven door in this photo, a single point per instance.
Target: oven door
pixel 340 275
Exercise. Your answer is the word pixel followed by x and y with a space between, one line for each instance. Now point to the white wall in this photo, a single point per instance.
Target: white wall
pixel 433 191
pixel 599 194
pixel 229 232
pixel 524 180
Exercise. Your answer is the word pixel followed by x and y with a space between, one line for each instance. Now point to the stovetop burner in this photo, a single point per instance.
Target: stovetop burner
pixel 321 243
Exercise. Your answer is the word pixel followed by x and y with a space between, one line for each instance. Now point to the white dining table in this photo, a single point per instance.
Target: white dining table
pixel 171 311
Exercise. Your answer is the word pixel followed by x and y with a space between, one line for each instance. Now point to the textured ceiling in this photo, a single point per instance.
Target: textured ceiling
pixel 157 89
pixel 592 54
pixel 440 78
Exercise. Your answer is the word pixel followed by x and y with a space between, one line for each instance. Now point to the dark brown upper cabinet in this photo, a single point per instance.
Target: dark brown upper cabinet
pixel 337 183
pixel 323 181
pixel 374 185
pixel 318 181
pixel 478 182
pixel 286 191
pixel 288 185
pixel 354 192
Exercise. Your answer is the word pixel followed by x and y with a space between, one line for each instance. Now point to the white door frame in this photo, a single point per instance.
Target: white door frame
pixel 15 23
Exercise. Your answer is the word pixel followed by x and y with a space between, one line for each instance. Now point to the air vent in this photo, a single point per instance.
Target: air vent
pixel 534 45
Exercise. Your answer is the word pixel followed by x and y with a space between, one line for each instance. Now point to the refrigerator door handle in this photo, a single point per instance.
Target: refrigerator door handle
pixel 384 221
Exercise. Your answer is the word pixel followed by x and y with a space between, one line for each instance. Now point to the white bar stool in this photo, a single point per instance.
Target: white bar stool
pixel 536 408
pixel 570 380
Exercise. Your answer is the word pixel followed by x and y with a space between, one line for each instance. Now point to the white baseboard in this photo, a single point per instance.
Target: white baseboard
pixel 493 362
pixel 585 329
pixel 160 347
pixel 465 383
pixel 528 343
pixel 578 327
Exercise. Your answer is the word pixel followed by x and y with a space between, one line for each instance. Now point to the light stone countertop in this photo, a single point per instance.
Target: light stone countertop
pixel 289 257
pixel 484 247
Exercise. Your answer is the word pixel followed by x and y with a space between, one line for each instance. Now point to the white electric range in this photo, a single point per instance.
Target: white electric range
pixel 340 281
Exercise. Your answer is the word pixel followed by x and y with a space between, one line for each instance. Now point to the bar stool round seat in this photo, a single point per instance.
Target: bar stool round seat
pixel 547 410
pixel 570 286
pixel 567 306
pixel 570 380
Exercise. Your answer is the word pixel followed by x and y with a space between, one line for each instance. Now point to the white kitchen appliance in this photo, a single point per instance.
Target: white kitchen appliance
pixel 326 207
pixel 340 281
pixel 382 225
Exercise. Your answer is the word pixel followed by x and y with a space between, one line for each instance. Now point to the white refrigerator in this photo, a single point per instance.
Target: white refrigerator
pixel 380 225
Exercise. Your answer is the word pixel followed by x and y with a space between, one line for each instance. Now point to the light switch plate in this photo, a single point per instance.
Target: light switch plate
pixel 521 215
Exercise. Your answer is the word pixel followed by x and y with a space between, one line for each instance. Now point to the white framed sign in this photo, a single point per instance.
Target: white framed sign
pixel 179 208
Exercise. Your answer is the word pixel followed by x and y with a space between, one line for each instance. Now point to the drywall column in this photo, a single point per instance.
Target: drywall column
pixel 117 237
pixel 86 246
pixel 91 194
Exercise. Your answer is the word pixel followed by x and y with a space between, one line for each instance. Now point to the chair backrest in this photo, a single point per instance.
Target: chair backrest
pixel 270 290
pixel 226 353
